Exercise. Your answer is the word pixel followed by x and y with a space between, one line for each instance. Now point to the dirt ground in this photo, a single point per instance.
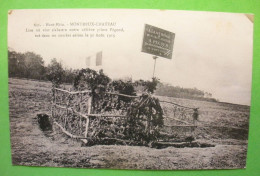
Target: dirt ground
pixel 32 147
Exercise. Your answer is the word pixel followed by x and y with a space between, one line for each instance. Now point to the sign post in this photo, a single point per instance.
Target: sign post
pixel 154 57
pixel 157 42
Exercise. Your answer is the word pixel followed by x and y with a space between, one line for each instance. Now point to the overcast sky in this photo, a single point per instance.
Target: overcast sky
pixel 212 51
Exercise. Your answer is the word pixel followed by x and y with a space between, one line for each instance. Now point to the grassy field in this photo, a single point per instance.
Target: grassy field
pixel 222 124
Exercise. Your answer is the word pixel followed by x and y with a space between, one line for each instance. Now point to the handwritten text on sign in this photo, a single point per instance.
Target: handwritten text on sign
pixel 158 41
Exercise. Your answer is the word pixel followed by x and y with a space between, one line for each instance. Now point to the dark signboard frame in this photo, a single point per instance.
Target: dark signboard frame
pixel 158 42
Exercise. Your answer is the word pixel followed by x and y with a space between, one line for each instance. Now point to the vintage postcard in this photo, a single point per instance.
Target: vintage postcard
pixel 129 89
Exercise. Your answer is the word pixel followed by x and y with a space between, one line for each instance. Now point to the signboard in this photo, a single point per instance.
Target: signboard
pixel 158 41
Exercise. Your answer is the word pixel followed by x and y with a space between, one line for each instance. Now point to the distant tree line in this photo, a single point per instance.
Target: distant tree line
pixel 31 65
pixel 168 90
pixel 26 65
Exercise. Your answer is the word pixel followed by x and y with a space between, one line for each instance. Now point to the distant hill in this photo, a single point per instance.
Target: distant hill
pixel 164 89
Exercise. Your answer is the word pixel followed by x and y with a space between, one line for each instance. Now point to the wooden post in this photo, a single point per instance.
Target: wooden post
pixel 195 116
pixel 80 103
pixel 52 105
pixel 54 102
pixel 55 92
pixel 154 57
pixel 89 111
pixel 149 120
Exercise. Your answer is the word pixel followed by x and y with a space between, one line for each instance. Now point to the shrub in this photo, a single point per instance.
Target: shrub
pixel 144 114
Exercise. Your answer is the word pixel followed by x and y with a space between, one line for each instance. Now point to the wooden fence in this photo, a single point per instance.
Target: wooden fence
pixel 73 113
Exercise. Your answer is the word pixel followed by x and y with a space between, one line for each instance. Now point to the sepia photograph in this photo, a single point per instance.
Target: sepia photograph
pixel 129 88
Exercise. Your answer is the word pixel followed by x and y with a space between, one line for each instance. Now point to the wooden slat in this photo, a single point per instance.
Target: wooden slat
pixel 71 92
pixel 88 91
pixel 180 125
pixel 232 127
pixel 68 133
pixel 123 95
pixel 59 106
pixel 89 115
pixel 178 105
pixel 180 120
